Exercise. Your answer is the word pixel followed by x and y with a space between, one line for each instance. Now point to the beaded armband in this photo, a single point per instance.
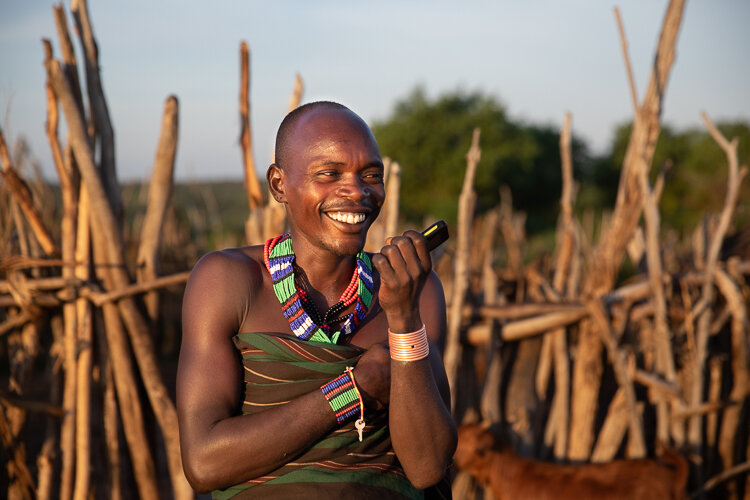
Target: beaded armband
pixel 343 396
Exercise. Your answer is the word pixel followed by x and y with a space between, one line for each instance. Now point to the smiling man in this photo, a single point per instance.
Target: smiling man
pixel 308 366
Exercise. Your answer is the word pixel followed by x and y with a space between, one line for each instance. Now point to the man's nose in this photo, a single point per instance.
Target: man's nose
pixel 354 187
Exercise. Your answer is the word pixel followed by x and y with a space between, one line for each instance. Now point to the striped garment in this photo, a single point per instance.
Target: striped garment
pixel 280 367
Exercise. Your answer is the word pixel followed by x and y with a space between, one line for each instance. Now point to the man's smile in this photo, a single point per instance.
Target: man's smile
pixel 347 217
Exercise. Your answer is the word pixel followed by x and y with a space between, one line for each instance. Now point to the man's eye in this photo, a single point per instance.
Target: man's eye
pixel 328 173
pixel 374 177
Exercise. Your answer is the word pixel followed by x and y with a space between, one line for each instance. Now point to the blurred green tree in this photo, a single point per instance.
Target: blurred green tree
pixel 696 181
pixel 430 138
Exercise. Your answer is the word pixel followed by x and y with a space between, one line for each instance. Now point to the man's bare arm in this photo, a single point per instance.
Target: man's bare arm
pixel 219 447
pixel 421 427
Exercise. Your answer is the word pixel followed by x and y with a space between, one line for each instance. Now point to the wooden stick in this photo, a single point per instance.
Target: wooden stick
pixel 664 356
pixel 159 195
pixel 610 249
pixel 709 407
pixel 466 204
pixel 104 223
pixel 731 426
pixel 131 412
pixel 734 182
pixel 566 247
pixel 524 328
pixel 99 299
pixel 69 192
pixel 626 58
pixel 490 402
pixel 297 91
pixel 721 477
pixel 614 428
pixel 22 195
pixel 714 398
pixel 21 483
pixel 98 106
pixel 252 184
pixel 84 337
pixel 636 441
pixel 15 322
pixel 111 427
pixel 392 199
pixel 29 405
pixel 656 384
pixel 520 311
pixel 70 63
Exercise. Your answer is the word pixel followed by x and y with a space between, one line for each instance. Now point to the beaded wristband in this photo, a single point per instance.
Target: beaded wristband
pixel 410 346
pixel 343 396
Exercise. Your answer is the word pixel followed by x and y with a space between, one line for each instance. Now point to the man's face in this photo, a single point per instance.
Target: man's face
pixel 333 180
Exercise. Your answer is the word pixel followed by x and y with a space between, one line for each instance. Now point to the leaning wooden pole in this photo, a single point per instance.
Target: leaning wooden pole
pixel 99 109
pixel 159 194
pixel 69 192
pixel 252 184
pixel 84 336
pixel 466 205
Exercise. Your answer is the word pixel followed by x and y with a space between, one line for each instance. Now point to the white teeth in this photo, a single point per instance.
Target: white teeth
pixel 347 217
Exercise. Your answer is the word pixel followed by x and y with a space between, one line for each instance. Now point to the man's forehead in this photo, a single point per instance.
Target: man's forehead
pixel 326 121
pixel 323 128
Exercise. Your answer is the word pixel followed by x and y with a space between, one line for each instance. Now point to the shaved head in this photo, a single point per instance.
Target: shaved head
pixel 289 124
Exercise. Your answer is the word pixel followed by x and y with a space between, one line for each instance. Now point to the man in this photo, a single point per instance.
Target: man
pixel 253 313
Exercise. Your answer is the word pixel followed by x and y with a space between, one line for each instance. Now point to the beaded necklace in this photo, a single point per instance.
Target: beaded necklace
pixel 279 259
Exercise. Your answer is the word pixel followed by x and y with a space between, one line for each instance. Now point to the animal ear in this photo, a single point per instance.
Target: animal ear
pixel 485 425
pixel 276 182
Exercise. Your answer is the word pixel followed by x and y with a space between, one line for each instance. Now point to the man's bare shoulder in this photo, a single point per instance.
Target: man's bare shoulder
pixel 238 268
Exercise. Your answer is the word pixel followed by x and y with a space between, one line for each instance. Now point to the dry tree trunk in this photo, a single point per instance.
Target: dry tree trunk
pixel 608 254
pixel 466 204
pixel 159 194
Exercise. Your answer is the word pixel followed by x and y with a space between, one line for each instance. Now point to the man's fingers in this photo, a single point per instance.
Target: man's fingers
pixel 420 245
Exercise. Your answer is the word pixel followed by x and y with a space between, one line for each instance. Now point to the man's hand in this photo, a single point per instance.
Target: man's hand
pixel 373 376
pixel 404 264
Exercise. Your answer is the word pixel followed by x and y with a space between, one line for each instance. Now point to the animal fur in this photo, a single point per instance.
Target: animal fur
pixel 513 477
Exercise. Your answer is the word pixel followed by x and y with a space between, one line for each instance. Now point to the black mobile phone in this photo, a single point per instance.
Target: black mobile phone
pixel 436 234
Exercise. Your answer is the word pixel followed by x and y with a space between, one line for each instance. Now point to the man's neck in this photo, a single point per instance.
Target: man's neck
pixel 327 273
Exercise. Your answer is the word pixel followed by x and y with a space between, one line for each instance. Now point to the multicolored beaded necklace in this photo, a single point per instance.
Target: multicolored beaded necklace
pixel 279 258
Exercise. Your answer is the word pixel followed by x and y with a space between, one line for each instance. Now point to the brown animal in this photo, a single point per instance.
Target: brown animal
pixel 513 477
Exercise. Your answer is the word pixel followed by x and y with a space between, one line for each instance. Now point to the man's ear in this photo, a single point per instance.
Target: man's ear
pixel 275 178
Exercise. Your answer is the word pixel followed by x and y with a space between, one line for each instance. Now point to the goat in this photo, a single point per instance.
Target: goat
pixel 511 476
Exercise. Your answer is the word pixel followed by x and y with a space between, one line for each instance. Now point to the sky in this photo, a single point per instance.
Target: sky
pixel 539 58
